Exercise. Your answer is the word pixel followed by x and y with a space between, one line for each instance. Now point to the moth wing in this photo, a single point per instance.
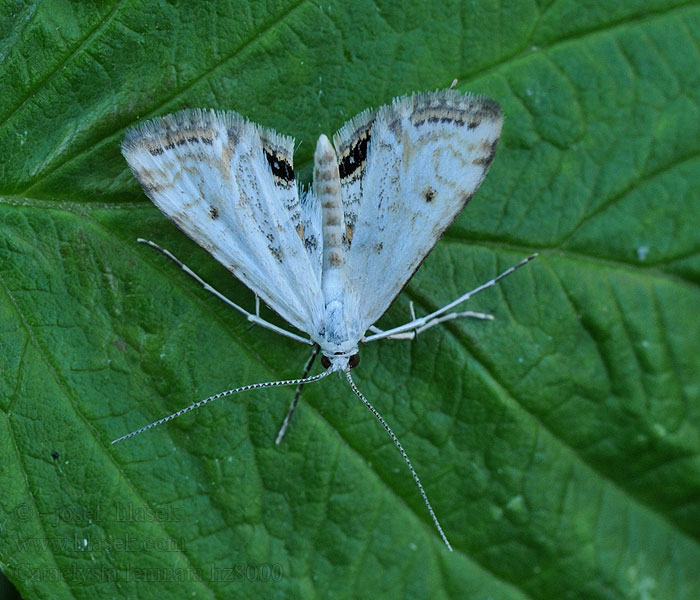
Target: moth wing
pixel 229 185
pixel 407 170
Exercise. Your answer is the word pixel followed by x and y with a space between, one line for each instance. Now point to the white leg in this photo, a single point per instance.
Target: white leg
pixel 253 318
pixel 411 335
pixel 412 312
pixel 416 326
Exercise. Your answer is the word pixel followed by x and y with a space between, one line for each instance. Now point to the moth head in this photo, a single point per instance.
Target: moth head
pixel 340 360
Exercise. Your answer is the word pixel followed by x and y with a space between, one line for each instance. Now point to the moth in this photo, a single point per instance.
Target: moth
pixel 329 260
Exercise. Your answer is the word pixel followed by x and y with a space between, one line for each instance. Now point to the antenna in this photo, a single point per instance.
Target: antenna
pixel 245 388
pixel 394 439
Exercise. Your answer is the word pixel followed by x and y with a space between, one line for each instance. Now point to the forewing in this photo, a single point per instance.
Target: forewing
pixel 230 186
pixel 407 170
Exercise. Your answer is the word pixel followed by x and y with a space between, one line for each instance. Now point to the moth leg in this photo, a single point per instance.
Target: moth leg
pixel 253 318
pixel 408 331
pixel 420 325
pixel 257 312
pixel 412 312
pixel 413 334
pixel 297 394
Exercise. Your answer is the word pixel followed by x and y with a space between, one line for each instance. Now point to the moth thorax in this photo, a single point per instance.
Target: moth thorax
pixel 327 192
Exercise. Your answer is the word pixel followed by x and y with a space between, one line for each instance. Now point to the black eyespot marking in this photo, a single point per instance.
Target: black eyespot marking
pixel 55 455
pixel 280 167
pixel 429 194
pixel 325 362
pixel 355 157
pixel 354 361
pixel 214 212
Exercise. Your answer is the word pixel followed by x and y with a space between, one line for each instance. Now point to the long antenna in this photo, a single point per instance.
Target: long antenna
pixel 394 439
pixel 245 388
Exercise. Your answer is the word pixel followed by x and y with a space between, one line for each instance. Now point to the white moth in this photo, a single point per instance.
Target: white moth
pixel 330 260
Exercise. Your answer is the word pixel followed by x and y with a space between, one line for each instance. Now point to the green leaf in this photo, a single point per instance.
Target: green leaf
pixel 559 443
